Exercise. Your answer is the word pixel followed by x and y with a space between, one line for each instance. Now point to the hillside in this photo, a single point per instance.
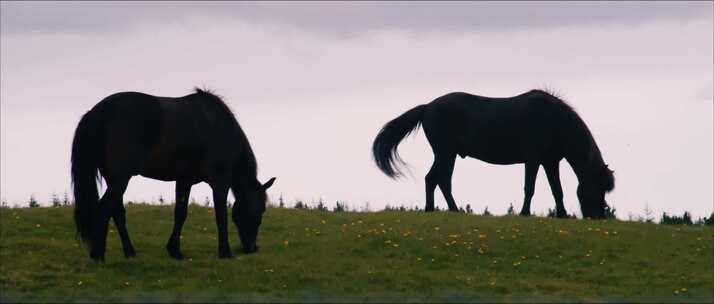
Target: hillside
pixel 308 255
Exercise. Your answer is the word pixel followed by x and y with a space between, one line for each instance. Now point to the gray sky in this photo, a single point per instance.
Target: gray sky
pixel 295 74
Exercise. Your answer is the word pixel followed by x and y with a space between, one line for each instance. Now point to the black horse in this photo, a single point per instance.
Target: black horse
pixel 535 128
pixel 189 139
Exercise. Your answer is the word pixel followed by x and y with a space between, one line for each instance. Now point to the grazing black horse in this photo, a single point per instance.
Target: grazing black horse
pixel 535 128
pixel 189 139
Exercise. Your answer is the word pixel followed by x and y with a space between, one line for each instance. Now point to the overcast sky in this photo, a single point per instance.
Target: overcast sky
pixel 312 83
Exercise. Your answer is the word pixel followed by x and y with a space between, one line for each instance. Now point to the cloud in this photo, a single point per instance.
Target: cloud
pixel 343 18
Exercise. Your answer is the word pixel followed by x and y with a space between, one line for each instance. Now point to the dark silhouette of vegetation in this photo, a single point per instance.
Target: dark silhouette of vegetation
pixel 511 210
pixel 300 205
pixel 705 220
pixel 552 213
pixel 340 207
pixel 685 219
pixel 468 209
pixel 649 218
pixel 610 212
pixel 281 202
pixel 486 212
pixel 32 203
pixel 54 199
pixel 321 206
pixel 65 200
pixel 4 204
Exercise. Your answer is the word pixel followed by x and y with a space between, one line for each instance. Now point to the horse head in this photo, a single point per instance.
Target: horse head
pixel 592 189
pixel 248 213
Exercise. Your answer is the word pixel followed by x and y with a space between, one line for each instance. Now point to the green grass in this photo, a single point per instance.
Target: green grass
pixel 307 255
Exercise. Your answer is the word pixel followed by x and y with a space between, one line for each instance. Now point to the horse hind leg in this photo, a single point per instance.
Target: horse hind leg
pixel 119 216
pixel 529 187
pixel 430 182
pixel 183 190
pixel 445 168
pixel 105 209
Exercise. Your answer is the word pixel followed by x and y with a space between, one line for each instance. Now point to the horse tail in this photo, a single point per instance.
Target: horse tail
pixel 384 148
pixel 86 150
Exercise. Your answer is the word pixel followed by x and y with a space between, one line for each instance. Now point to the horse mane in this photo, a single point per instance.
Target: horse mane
pixel 248 160
pixel 594 157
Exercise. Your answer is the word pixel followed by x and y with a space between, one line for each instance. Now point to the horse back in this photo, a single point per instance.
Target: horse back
pixel 496 130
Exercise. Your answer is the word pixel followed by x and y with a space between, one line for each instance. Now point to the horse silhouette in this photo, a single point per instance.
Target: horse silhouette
pixel 535 128
pixel 189 139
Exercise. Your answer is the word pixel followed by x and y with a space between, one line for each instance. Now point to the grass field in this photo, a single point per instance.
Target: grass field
pixel 313 256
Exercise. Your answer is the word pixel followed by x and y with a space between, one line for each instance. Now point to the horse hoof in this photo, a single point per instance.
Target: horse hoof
pixel 225 255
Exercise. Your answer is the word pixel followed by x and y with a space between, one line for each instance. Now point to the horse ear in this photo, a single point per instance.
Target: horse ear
pixel 268 183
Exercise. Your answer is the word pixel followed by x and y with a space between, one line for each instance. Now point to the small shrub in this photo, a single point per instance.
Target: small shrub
pixel 32 203
pixel 610 213
pixel 486 212
pixel 300 205
pixel 468 209
pixel 552 213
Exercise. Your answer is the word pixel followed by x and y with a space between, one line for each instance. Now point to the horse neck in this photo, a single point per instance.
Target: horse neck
pixel 583 164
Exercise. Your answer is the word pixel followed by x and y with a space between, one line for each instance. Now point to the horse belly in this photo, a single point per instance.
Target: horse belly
pixel 494 151
pixel 168 166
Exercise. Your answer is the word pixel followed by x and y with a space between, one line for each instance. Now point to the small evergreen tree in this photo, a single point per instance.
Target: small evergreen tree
pixel 486 212
pixel 55 200
pixel 510 210
pixel 32 203
pixel 468 209
pixel 65 199
pixel 281 203
pixel 161 200
pixel 365 207
pixel 648 214
pixel 339 207
pixel 321 205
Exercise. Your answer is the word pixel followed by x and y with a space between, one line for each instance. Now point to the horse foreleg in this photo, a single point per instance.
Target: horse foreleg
pixel 529 187
pixel 553 173
pixel 220 194
pixel 183 190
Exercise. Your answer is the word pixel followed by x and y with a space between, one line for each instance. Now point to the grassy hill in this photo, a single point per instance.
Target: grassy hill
pixel 308 255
